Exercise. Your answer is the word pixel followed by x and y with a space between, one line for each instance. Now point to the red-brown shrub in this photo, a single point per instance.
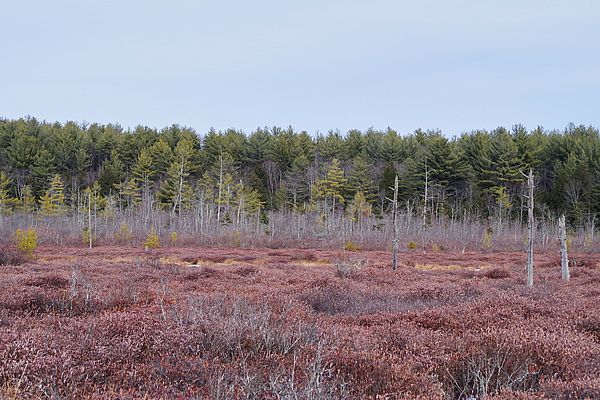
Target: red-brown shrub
pixel 497 273
pixel 82 323
pixel 10 255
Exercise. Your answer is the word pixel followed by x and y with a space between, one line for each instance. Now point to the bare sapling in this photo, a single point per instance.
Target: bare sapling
pixel 394 221
pixel 564 257
pixel 90 218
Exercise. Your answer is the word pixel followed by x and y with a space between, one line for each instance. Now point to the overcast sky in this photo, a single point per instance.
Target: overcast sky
pixel 315 65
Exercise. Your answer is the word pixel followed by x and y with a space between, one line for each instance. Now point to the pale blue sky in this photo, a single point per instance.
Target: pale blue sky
pixel 313 64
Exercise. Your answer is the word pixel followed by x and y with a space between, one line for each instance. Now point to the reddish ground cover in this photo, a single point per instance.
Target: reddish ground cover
pixel 115 322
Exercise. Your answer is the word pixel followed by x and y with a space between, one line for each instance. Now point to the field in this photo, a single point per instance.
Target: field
pixel 117 322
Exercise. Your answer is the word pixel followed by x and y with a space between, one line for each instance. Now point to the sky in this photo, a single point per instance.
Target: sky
pixel 453 65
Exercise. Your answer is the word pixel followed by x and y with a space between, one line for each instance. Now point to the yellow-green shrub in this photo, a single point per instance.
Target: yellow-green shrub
pixel 412 245
pixel 174 237
pixel 26 241
pixel 152 240
pixel 351 246
pixel 123 234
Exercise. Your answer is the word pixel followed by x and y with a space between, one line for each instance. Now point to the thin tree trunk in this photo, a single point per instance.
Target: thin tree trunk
pixel 564 258
pixel 395 216
pixel 425 199
pixel 90 217
pixel 220 188
pixel 530 229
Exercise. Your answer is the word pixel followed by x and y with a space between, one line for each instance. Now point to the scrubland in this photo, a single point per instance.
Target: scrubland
pixel 118 322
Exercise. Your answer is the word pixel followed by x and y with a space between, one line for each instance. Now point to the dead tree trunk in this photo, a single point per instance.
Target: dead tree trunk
pixel 530 229
pixel 90 217
pixel 564 258
pixel 220 188
pixel 395 217
pixel 425 196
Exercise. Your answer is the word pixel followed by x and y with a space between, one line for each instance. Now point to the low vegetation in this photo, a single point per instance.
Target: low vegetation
pixel 295 324
pixel 26 241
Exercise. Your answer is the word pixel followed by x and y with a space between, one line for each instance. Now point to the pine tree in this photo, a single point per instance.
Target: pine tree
pixel 297 186
pixel 162 158
pixel 359 208
pixel 112 173
pixel 331 146
pixel 130 192
pixel 386 184
pixel 332 186
pixel 53 201
pixel 222 173
pixel 207 186
pixel 506 160
pixel 175 191
pixel 253 203
pixel 354 144
pixel 125 151
pixel 42 170
pixel 360 179
pixel 186 154
pixel 225 197
pixel 82 161
pixel 7 202
pixel 27 201
pixel 143 171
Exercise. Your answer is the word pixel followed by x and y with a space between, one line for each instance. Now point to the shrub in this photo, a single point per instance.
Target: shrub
pixel 237 327
pixel 490 365
pixel 152 240
pixel 347 269
pixel 497 273
pixel 85 236
pixel 26 241
pixel 124 234
pixel 236 239
pixel 436 248
pixel 151 261
pixel 591 327
pixel 351 246
pixel 487 238
pixel 9 255
pixel 412 245
pixel 173 237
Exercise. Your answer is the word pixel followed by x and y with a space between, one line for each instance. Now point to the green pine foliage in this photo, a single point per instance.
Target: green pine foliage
pixel 331 187
pixel 7 202
pixel 46 167
pixel 52 203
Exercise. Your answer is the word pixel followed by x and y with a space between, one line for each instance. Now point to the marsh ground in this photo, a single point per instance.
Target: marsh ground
pixel 118 322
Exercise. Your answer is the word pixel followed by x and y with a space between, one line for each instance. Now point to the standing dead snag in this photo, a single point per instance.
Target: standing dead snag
pixel 425 196
pixel 394 220
pixel 90 218
pixel 564 258
pixel 530 227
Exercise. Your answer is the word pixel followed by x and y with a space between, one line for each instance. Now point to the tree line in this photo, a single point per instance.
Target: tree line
pixel 56 168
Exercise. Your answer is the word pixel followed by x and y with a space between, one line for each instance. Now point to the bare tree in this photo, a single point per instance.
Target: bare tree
pixel 426 196
pixel 220 188
pixel 564 258
pixel 90 218
pixel 530 228
pixel 394 221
